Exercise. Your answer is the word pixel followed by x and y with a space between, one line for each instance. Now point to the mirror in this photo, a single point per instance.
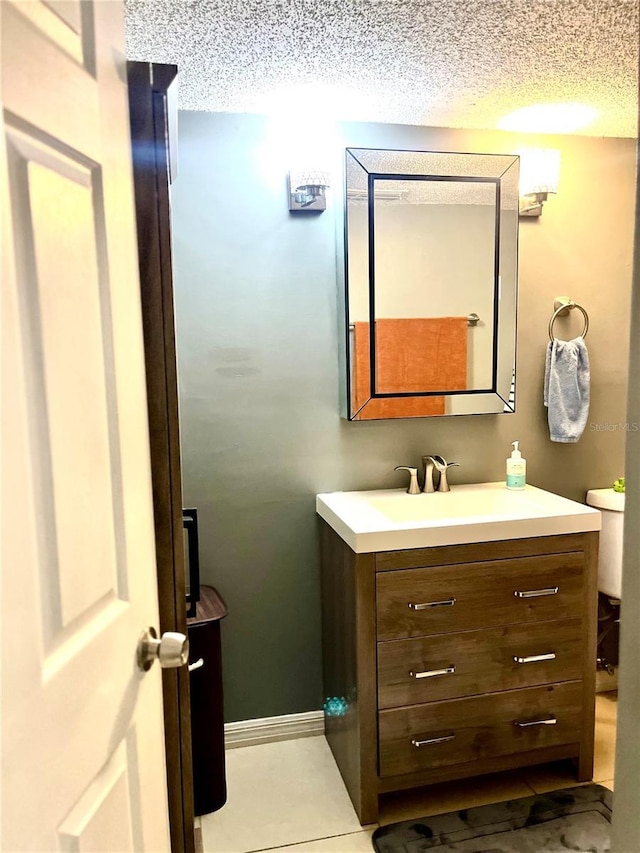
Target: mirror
pixel 431 280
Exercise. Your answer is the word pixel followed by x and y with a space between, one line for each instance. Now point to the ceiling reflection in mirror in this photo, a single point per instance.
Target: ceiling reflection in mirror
pixel 431 270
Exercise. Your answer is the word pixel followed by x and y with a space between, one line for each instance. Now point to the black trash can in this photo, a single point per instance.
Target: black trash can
pixel 207 710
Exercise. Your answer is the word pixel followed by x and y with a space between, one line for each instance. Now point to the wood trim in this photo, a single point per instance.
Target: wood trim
pixel 479 552
pixel 367 683
pixel 148 87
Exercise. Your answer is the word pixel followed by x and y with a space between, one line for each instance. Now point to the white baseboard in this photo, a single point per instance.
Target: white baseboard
pixel 271 729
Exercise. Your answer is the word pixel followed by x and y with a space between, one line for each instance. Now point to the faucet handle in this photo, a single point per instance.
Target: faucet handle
pixel 440 462
pixel 414 488
pixel 443 485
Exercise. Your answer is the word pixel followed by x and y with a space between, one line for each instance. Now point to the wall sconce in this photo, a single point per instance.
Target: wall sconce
pixel 539 174
pixel 307 189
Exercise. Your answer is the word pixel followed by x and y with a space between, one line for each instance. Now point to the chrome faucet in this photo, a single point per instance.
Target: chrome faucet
pixel 428 463
pixel 414 488
pixel 441 466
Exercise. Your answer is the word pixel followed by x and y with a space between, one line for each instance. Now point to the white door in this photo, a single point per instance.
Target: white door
pixel 82 728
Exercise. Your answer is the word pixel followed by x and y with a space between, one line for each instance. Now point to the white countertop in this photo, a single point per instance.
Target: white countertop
pixel 391 520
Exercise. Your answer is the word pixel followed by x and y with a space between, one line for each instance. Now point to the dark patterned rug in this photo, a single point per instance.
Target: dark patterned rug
pixel 577 819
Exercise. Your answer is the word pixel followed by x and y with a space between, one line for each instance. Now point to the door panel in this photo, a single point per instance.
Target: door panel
pixel 106 810
pixel 55 192
pixel 83 758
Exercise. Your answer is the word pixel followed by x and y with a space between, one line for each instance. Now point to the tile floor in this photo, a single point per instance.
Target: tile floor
pixel 290 796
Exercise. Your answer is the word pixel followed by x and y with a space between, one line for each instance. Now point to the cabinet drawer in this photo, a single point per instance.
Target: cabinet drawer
pixel 444 599
pixel 447 666
pixel 439 734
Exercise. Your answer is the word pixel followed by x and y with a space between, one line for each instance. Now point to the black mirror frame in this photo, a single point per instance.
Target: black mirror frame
pixel 500 397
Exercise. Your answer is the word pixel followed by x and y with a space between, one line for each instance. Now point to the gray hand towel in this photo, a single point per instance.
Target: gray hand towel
pixel 566 389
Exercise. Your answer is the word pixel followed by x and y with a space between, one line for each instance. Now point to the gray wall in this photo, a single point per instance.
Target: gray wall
pixel 257 347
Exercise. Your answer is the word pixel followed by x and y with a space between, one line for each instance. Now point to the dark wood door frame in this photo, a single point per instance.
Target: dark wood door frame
pixel 150 114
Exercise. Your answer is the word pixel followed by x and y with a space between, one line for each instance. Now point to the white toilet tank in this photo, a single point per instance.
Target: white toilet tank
pixel 611 505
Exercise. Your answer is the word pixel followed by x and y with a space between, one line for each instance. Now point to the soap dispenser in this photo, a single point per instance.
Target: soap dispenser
pixel 516 469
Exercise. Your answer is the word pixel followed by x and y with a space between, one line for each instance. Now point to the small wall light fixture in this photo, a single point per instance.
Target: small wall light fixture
pixel 307 189
pixel 539 174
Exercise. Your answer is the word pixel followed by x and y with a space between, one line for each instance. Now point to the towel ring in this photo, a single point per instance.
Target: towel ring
pixel 569 305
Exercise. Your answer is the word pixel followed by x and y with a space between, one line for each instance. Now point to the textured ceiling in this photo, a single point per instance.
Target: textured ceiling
pixel 455 63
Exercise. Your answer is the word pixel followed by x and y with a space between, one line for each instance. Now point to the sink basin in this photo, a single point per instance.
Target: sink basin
pixel 390 519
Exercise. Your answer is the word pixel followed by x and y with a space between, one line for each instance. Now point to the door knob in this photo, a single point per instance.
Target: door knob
pixel 172 649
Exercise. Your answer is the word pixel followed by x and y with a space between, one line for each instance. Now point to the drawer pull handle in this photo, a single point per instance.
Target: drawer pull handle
pixel 535 658
pixel 431 672
pixel 536 593
pixel 449 602
pixel 197 664
pixel 430 740
pixel 546 721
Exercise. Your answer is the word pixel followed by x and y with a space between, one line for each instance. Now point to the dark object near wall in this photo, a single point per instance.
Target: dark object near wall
pixel 152 115
pixel 207 714
pixel 608 632
pixel 192 559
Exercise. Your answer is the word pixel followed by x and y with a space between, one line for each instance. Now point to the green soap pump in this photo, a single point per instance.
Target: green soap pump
pixel 516 469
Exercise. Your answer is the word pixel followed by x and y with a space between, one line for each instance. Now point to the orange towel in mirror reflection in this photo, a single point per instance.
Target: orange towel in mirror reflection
pixel 412 355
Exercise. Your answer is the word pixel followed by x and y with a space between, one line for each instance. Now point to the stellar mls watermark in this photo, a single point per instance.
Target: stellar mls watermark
pixel 620 426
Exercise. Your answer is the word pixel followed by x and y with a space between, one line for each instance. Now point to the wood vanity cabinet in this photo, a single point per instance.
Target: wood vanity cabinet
pixel 457 661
